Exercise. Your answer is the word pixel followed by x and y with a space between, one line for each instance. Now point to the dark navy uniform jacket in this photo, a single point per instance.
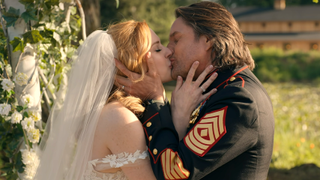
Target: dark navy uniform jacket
pixel 232 138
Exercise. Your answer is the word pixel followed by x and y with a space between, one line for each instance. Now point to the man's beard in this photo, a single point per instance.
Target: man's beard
pixel 178 72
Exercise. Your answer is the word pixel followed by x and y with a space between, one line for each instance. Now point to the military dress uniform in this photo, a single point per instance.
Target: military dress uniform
pixel 231 136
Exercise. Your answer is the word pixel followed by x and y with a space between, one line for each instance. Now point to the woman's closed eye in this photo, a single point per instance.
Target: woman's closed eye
pixel 158 50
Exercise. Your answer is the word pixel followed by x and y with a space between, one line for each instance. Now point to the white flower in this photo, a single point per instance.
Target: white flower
pixel 7 84
pixel 16 117
pixel 28 157
pixel 21 79
pixel 31 160
pixel 304 127
pixel 33 135
pixel 5 109
pixel 27 123
pixel 27 100
pixel 35 115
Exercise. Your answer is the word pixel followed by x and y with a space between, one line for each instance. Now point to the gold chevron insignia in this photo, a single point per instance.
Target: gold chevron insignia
pixel 172 166
pixel 207 132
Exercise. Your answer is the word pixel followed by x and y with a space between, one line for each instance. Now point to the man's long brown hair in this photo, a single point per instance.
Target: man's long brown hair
pixel 212 20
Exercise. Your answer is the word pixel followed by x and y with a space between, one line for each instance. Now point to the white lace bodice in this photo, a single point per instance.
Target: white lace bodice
pixel 112 162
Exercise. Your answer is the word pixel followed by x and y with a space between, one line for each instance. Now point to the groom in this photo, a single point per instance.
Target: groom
pixel 231 136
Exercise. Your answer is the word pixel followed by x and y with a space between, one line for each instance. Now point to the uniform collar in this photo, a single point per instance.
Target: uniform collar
pixel 224 76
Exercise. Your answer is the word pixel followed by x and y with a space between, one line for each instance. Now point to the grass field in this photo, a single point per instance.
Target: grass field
pixel 297 123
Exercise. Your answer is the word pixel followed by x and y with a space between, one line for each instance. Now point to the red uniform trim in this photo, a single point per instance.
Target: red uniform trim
pixel 155 160
pixel 211 73
pixel 225 80
pixel 150 118
pixel 144 128
pixel 233 75
pixel 242 80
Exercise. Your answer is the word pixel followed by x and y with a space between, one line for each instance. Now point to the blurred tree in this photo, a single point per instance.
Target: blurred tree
pixel 159 14
pixel 262 3
pixel 185 2
pixel 92 15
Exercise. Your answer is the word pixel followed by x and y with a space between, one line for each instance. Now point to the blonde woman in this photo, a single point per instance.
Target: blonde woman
pixel 97 135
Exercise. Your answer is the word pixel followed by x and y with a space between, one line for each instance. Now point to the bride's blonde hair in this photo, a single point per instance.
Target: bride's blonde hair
pixel 133 41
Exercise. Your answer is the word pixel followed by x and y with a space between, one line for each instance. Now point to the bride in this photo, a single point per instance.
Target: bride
pixel 96 134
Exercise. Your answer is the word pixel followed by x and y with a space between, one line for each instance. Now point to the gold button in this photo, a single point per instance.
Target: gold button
pixel 155 151
pixel 149 124
pixel 232 79
pixel 150 137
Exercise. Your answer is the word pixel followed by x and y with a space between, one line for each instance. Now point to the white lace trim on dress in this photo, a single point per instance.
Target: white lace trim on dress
pixel 113 161
pixel 121 159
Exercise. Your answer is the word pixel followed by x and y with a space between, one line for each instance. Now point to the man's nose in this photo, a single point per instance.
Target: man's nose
pixel 170 46
pixel 169 53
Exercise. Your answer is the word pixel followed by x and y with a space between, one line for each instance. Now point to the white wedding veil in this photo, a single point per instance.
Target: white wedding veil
pixel 67 143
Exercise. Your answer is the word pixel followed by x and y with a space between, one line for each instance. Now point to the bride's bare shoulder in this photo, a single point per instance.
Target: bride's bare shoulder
pixel 122 127
pixel 115 112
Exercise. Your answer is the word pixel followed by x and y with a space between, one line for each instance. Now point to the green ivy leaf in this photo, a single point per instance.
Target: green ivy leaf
pixel 48 33
pixel 19 164
pixel 11 16
pixel 7 167
pixel 26 1
pixel 8 94
pixel 12 176
pixel 13 12
pixel 8 153
pixel 18 132
pixel 32 37
pixel 66 1
pixel 19 108
pixel 17 44
pixel 13 145
pixel 29 15
pixel 25 114
pixel 38 25
pixel 52 2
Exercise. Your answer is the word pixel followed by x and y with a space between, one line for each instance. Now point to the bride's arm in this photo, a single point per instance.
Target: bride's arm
pixel 124 133
pixel 187 95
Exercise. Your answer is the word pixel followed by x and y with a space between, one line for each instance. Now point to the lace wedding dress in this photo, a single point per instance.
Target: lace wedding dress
pixel 113 163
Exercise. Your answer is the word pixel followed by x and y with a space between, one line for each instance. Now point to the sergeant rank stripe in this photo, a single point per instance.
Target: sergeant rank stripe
pixel 172 166
pixel 207 132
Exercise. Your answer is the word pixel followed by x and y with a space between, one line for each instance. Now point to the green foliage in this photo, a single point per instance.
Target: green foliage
pixel 54 41
pixel 11 137
pixel 159 14
pixel 32 37
pixel 29 16
pixel 17 44
pixel 274 65
pixel 11 16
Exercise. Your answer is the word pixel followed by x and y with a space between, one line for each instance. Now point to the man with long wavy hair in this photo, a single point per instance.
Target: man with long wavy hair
pixel 230 134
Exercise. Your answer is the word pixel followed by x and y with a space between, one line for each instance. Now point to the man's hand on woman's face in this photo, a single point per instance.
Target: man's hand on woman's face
pixel 150 87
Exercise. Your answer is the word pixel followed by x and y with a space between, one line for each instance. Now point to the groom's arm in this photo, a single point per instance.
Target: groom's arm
pixel 189 158
pixel 159 128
